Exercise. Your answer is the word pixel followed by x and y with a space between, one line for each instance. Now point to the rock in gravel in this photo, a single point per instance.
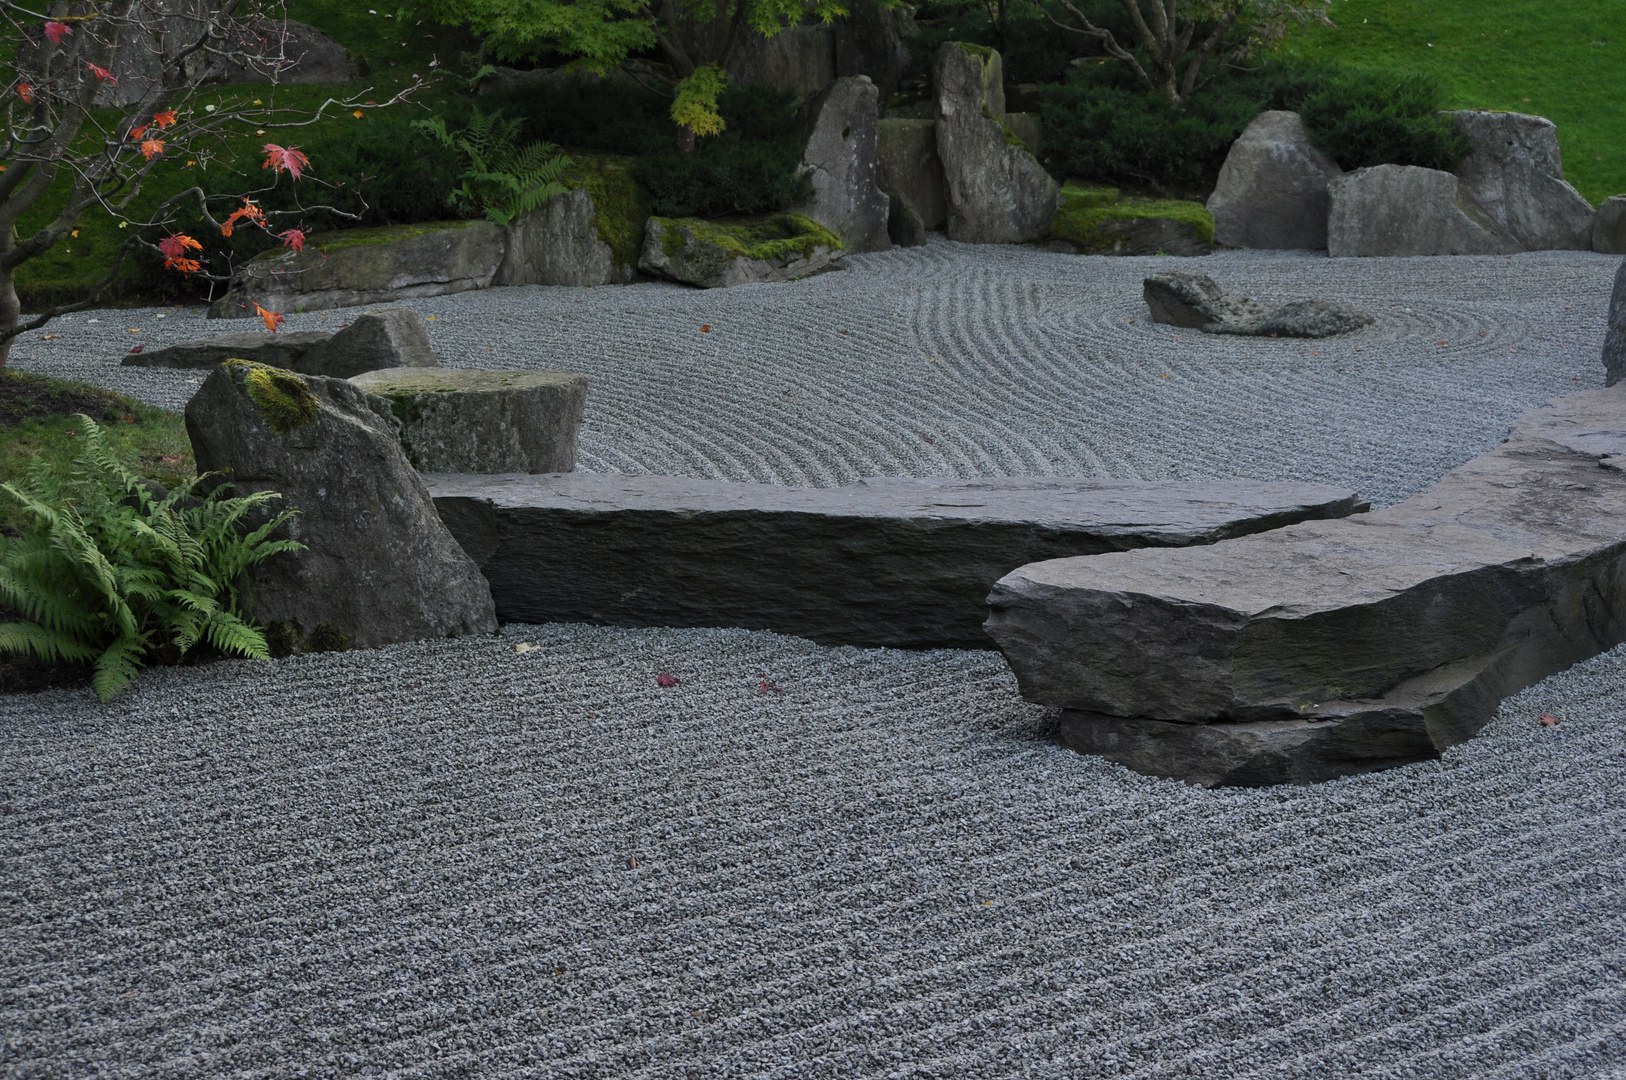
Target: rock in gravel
pixel 1195 301
pixel 1609 227
pixel 907 163
pixel 1335 647
pixel 455 420
pixel 558 244
pixel 1614 340
pixel 1408 210
pixel 282 350
pixel 1515 175
pixel 380 567
pixel 839 149
pixel 382 338
pixel 904 225
pixel 892 561
pixel 998 193
pixel 712 255
pixel 1272 189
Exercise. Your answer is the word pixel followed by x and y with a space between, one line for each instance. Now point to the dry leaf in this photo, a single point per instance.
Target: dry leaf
pixel 1549 720
pixel 667 681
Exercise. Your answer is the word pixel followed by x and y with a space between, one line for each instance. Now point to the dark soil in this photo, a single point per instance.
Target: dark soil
pixel 28 675
pixel 30 397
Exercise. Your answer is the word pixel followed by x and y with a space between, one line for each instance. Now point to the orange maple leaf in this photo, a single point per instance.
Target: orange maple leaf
pixel 247 210
pixel 175 246
pixel 25 92
pixel 152 148
pixel 164 119
pixel 185 266
pixel 272 319
pixel 102 74
pixel 136 133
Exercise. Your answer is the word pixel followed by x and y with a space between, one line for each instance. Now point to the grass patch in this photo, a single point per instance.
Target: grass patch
pixel 1553 60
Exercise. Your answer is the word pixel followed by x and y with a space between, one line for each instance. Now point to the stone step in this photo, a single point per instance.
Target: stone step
pixel 893 561
pixel 1334 647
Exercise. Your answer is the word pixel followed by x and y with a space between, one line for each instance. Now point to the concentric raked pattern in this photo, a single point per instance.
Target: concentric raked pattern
pixel 455 859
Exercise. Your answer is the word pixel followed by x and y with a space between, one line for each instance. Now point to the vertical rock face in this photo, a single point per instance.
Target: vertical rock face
pixel 1272 190
pixel 801 59
pixel 1515 174
pixel 907 163
pixel 998 193
pixel 557 244
pixel 1614 342
pixel 873 40
pixel 1407 210
pixel 383 338
pixel 840 149
pixel 1609 227
pixel 379 565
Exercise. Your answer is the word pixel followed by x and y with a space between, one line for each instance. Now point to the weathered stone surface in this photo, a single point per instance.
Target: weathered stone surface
pixel 1192 301
pixel 1614 340
pixel 1609 227
pixel 900 561
pixel 1299 319
pixel 1407 210
pixel 352 267
pixel 873 40
pixel 379 565
pixel 998 193
pixel 1367 642
pixel 455 420
pixel 801 59
pixel 907 163
pixel 904 225
pixel 782 247
pixel 1515 175
pixel 391 337
pixel 290 53
pixel 282 350
pixel 839 148
pixel 1029 128
pixel 1272 189
pixel 1195 301
pixel 558 244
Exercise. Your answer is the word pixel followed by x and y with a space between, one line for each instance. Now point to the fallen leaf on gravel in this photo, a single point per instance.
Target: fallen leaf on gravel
pixel 1439 343
pixel 632 863
pixel 706 328
pixel 1549 720
pixel 766 687
pixel 135 348
pixel 928 438
pixel 524 647
pixel 49 337
pixel 668 681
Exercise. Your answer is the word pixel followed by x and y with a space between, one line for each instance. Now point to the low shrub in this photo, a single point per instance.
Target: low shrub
pixel 110 571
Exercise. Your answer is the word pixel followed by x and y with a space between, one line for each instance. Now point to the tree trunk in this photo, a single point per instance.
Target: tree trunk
pixel 11 311
pixel 685 141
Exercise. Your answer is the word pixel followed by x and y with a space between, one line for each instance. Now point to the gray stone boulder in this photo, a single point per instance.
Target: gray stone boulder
pixel 383 338
pixel 904 225
pixel 839 148
pixel 907 164
pixel 998 193
pixel 289 53
pixel 1336 647
pixel 1614 341
pixel 379 567
pixel 1195 301
pixel 782 247
pixel 1028 127
pixel 801 59
pixel 1272 189
pixel 352 267
pixel 1515 175
pixel 282 350
pixel 873 40
pixel 454 420
pixel 1407 210
pixel 893 561
pixel 558 244
pixel 1609 227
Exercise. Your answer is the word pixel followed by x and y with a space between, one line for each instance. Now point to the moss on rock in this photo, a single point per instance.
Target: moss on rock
pixel 620 204
pixel 777 236
pixel 383 234
pixel 283 398
pixel 1084 210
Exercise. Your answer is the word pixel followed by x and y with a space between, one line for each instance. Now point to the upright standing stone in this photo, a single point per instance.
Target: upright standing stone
pixel 840 149
pixel 1515 174
pixel 998 193
pixel 379 567
pixel 557 244
pixel 1614 341
pixel 1272 190
pixel 1609 227
pixel 389 337
pixel 1408 210
pixel 907 163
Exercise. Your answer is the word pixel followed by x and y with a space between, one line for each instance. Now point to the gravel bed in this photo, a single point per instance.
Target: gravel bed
pixel 454 859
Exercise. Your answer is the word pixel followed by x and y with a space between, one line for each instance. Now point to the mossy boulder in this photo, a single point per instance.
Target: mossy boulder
pixel 591 235
pixel 713 254
pixel 1101 221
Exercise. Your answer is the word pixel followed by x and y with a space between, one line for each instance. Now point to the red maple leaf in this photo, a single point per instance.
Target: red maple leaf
pixel 25 92
pixel 137 132
pixel 272 319
pixel 1549 720
pixel 667 681
pixel 278 158
pixel 102 74
pixel 57 31
pixel 293 238
pixel 175 246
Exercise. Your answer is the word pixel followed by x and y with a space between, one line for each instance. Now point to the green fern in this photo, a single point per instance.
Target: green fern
pixel 108 570
pixel 502 181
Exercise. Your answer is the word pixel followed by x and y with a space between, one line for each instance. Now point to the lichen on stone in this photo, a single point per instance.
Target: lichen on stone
pixel 1084 209
pixel 982 52
pixel 620 203
pixel 283 398
pixel 775 237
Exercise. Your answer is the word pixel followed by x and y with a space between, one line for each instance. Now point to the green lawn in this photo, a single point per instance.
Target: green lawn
pixel 1563 59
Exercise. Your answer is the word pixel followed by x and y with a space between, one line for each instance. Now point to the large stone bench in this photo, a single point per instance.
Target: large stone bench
pixel 1337 647
pixel 901 562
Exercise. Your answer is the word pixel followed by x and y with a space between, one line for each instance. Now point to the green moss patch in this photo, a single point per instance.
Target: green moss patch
pixel 777 236
pixel 1084 209
pixel 284 399
pixel 620 203
pixel 982 52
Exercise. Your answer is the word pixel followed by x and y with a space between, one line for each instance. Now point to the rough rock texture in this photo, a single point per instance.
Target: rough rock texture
pixel 801 59
pixel 137 60
pixel 904 225
pixel 874 40
pixel 282 350
pixel 998 193
pixel 352 267
pixel 391 337
pixel 839 148
pixel 1029 128
pixel 907 163
pixel 1614 341
pixel 1333 647
pixel 783 248
pixel 1272 189
pixel 892 561
pixel 557 244
pixel 1145 236
pixel 1515 174
pixel 1195 301
pixel 463 421
pixel 379 565
pixel 292 53
pixel 1609 227
pixel 1407 210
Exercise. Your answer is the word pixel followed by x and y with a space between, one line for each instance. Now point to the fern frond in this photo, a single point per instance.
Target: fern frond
pixel 117 666
pixel 34 640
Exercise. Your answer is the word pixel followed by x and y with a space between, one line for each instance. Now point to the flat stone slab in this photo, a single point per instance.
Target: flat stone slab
pixel 462 421
pixel 1336 647
pixel 276 350
pixel 384 338
pixel 892 561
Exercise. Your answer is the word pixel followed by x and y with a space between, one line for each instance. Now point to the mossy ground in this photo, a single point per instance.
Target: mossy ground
pixel 1083 209
pixel 776 236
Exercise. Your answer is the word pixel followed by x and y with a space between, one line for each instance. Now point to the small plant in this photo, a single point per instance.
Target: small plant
pixel 501 180
pixel 110 571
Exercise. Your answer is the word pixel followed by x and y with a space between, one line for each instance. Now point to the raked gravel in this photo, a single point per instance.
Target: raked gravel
pixel 454 859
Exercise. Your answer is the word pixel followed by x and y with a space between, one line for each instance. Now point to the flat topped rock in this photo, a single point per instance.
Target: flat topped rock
pixel 890 561
pixel 383 338
pixel 278 350
pixel 459 380
pixel 1369 641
